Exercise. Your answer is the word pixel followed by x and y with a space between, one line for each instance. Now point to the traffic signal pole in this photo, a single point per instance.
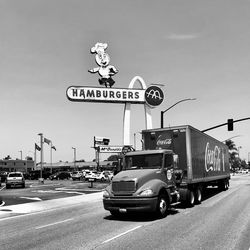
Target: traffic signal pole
pixel 225 124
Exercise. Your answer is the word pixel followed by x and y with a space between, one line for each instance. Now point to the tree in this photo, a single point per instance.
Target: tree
pixel 244 164
pixel 82 160
pixel 234 161
pixel 113 158
pixel 231 145
pixel 7 157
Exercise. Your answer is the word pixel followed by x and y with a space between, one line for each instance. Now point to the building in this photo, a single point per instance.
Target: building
pixel 16 165
pixel 71 166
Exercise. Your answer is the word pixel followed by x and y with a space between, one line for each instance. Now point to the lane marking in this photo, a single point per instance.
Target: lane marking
pixel 119 235
pixel 2 188
pixel 31 198
pixel 45 185
pixel 55 223
pixel 2 204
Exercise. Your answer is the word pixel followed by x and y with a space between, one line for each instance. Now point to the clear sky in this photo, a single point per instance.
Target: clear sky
pixel 196 49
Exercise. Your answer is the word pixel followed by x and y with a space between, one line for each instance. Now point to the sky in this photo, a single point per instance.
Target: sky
pixel 195 49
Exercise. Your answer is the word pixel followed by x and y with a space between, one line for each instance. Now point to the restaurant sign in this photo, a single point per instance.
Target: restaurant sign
pixel 95 94
pixel 110 149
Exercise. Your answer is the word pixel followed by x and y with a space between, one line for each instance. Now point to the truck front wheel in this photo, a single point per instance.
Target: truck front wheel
pixel 162 206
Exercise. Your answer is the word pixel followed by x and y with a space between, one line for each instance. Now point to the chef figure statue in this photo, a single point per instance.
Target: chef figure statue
pixel 104 70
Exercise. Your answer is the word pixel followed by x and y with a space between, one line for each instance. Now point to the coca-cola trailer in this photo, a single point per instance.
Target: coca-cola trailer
pixel 176 164
pixel 203 160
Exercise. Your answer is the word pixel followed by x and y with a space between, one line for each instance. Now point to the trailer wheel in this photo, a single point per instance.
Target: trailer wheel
pixel 190 198
pixel 162 206
pixel 223 185
pixel 198 195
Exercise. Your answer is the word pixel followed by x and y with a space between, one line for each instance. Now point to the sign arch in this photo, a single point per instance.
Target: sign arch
pixel 127 112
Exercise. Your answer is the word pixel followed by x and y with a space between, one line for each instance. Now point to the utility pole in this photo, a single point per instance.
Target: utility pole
pixel 74 157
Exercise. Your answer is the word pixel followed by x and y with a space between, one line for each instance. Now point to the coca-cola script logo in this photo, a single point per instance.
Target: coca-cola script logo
pixel 214 159
pixel 161 141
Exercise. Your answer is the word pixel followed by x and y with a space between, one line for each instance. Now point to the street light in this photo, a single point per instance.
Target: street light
pixel 74 157
pixel 239 151
pixel 183 100
pixel 34 157
pixel 231 138
pixel 21 154
pixel 135 138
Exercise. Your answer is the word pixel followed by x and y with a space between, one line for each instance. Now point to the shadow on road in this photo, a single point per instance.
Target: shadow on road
pixel 144 217
pixel 139 217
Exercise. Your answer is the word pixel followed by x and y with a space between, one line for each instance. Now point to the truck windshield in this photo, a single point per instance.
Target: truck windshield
pixel 147 161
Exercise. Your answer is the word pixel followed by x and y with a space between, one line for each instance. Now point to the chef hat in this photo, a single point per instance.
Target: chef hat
pixel 99 48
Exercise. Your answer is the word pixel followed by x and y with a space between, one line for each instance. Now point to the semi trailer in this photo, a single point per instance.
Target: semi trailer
pixel 176 164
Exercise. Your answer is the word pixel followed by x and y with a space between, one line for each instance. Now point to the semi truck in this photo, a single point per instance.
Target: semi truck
pixel 176 164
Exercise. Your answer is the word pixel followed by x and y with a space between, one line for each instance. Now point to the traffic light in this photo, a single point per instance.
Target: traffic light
pixel 230 124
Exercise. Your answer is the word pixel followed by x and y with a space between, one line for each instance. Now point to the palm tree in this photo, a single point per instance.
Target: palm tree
pixel 233 151
pixel 231 145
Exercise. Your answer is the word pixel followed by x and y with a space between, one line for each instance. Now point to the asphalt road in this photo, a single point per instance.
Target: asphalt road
pixel 221 221
pixel 35 191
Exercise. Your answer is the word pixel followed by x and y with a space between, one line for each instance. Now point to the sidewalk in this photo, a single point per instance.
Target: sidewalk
pixel 38 206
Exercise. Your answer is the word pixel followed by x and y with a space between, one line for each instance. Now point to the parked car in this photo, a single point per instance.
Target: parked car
pixel 245 171
pixel 91 175
pixel 15 179
pixel 105 176
pixel 110 175
pixel 60 176
pixel 77 175
pixel 85 172
pixel 102 176
pixel 36 174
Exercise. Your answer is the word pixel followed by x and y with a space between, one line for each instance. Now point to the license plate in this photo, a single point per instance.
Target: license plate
pixel 122 210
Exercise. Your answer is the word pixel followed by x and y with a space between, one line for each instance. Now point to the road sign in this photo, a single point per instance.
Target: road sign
pixel 110 149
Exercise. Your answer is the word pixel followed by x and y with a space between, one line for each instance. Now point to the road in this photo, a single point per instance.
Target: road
pixel 221 221
pixel 35 191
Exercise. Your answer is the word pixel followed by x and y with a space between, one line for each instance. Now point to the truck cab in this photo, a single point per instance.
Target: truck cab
pixel 147 182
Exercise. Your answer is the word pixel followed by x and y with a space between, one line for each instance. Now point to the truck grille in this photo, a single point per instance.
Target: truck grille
pixel 123 186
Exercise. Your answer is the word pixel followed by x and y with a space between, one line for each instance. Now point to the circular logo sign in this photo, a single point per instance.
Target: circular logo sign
pixel 154 96
pixel 126 149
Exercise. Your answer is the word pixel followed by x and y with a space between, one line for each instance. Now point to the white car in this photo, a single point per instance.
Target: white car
pixel 91 175
pixel 110 175
pixel 76 175
pixel 102 176
pixel 15 179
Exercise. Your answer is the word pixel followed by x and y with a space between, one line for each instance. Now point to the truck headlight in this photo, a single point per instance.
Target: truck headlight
pixel 105 194
pixel 147 192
